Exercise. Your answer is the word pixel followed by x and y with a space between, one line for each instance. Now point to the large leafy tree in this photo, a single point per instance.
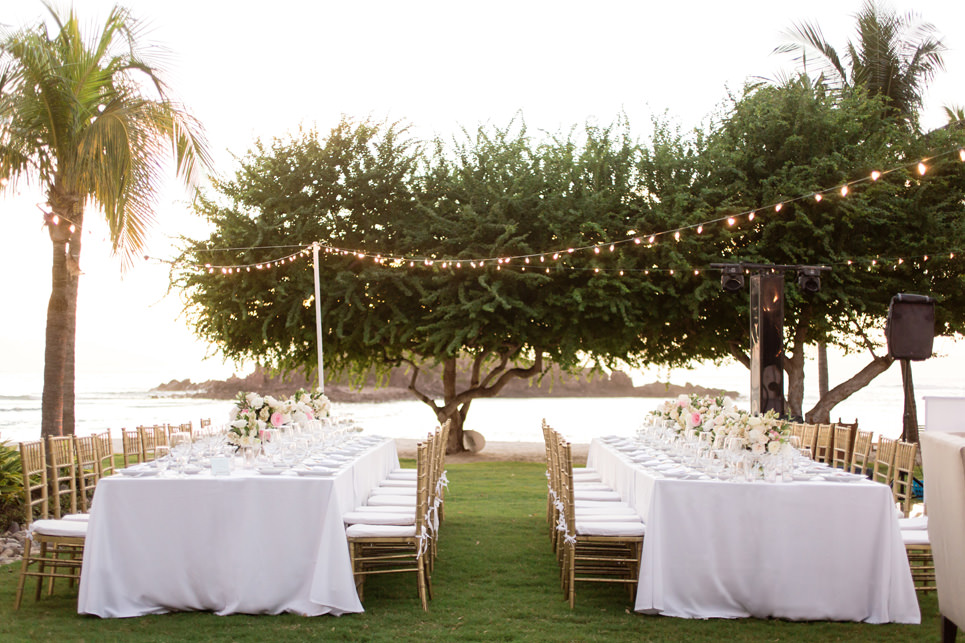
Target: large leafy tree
pixel 787 145
pixel 894 57
pixel 474 219
pixel 90 119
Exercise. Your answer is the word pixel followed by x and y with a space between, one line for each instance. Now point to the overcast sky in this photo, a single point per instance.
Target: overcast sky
pixel 249 70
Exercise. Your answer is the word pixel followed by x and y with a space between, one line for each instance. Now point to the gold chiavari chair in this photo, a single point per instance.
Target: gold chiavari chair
pixel 33 465
pixel 597 551
pixel 388 549
pixel 88 469
pixel 148 442
pixel 884 463
pixel 131 446
pixel 902 476
pixel 824 443
pixel 105 454
pixel 808 436
pixel 841 453
pixel 797 431
pixel 62 475
pixel 861 454
pixel 60 543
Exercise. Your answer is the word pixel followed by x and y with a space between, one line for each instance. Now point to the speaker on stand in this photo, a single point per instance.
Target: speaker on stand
pixel 910 331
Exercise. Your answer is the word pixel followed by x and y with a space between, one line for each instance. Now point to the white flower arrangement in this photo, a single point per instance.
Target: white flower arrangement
pixel 245 429
pixel 766 433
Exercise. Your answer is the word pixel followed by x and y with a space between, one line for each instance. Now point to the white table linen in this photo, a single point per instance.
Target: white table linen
pixel 247 543
pixel 796 550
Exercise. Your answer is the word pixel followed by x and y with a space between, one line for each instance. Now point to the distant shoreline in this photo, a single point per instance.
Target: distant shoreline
pixel 558 385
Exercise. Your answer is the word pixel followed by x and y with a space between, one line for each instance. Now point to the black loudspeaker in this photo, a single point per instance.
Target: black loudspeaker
pixel 911 327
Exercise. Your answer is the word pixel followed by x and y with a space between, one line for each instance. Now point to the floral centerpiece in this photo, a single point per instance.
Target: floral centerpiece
pixel 766 433
pixel 314 404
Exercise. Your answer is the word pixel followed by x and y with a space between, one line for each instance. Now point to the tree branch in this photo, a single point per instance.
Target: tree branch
pixel 486 390
pixel 738 353
pixel 822 410
pixel 425 399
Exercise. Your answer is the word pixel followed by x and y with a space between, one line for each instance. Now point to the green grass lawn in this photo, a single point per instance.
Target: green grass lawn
pixel 495 580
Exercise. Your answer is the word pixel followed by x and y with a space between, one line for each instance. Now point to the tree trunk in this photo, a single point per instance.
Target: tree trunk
pixel 821 413
pixel 794 367
pixel 909 432
pixel 73 283
pixel 822 369
pixel 52 401
pixel 456 403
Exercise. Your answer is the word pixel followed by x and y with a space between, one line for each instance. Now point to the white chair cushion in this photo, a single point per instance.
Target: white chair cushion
pixel 82 517
pixel 600 495
pixel 378 518
pixel 380 531
pixel 395 482
pixel 918 522
pixel 595 528
pixel 609 505
pixel 915 537
pixel 601 517
pixel 398 501
pixel 70 528
pixel 404 474
pixel 591 486
pixel 394 491
pixel 410 509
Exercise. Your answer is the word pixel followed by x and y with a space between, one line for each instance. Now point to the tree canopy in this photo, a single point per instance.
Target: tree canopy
pixel 586 246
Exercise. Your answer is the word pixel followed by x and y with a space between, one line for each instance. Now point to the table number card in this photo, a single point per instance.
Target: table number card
pixel 220 466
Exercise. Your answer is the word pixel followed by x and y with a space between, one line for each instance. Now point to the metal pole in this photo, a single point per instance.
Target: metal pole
pixel 318 319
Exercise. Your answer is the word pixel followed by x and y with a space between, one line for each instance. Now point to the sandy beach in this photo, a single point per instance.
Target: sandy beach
pixel 498 452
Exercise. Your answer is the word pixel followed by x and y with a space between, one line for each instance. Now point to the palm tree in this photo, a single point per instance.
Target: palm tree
pixel 91 121
pixel 894 57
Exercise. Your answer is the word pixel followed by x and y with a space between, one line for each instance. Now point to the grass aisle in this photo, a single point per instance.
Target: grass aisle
pixel 495 580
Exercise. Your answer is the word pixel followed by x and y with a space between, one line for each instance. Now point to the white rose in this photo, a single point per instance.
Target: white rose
pixel 773 447
pixel 757 448
pixel 754 420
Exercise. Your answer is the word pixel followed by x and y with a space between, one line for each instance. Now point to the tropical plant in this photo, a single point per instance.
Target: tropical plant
pixel 894 57
pixel 11 485
pixel 90 119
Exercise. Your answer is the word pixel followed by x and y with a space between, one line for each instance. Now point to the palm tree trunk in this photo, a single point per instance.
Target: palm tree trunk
pixel 52 401
pixel 73 282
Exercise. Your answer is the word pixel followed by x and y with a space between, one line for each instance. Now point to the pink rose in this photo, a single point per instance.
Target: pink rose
pixel 277 419
pixel 695 418
pixel 309 415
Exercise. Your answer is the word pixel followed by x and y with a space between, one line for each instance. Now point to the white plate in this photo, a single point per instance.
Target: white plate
pixel 137 473
pixel 271 471
pixel 314 472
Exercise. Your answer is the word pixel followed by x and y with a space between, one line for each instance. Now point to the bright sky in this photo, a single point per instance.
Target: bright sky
pixel 264 69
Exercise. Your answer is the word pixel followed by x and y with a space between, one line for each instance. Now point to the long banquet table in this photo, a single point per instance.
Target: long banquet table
pixel 245 543
pixel 797 550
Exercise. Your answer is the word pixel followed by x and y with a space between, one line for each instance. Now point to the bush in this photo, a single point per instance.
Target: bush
pixel 11 485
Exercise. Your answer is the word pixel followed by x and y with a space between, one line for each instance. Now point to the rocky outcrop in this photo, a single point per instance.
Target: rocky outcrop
pixel 554 384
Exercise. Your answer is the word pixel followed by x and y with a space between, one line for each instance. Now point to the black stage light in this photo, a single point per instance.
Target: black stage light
pixel 809 279
pixel 732 278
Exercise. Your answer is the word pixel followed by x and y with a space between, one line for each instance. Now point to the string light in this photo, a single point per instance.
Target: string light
pixel 922 168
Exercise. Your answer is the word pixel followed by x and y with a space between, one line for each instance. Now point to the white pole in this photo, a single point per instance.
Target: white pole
pixel 318 319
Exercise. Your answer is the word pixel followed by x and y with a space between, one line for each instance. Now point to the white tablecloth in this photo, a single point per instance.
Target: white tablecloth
pixel 796 550
pixel 241 544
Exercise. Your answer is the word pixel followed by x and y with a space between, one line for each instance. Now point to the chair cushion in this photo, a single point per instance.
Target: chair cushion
pixel 83 517
pixel 404 474
pixel 601 495
pixel 380 531
pixel 50 527
pixel 591 486
pixel 595 528
pixel 601 517
pixel 403 501
pixel 918 522
pixel 393 491
pixel 609 505
pixel 390 508
pixel 915 537
pixel 378 518
pixel 395 482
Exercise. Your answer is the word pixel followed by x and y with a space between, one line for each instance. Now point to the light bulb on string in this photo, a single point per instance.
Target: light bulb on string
pixel 778 207
pixel 961 154
pixel 612 247
pixel 922 168
pixel 676 235
pixel 875 175
pixel 818 197
pixel 731 221
pixel 651 239
pixel 637 241
pixel 700 229
pixel 596 250
pixel 844 190
pixel 750 217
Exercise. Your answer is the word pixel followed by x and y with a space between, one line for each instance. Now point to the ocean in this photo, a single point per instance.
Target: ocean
pixel 124 400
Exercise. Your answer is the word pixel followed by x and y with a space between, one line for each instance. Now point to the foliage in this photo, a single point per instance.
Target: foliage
pixel 11 485
pixel 496 579
pixel 895 57
pixel 492 193
pixel 89 118
pixel 783 145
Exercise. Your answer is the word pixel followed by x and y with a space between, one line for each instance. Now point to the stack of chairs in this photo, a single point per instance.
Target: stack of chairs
pixel 597 537
pixel 397 529
pixel 59 541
